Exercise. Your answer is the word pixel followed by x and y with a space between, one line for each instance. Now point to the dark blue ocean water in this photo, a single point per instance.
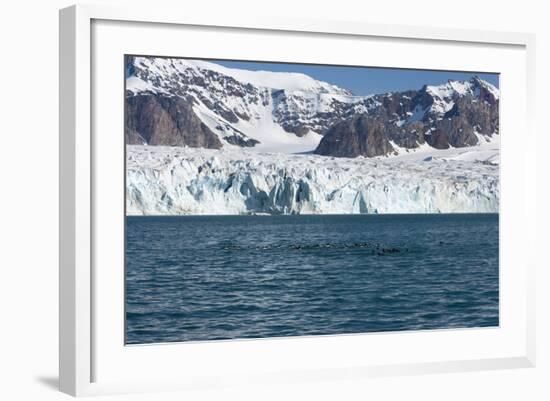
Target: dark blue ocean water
pixel 207 278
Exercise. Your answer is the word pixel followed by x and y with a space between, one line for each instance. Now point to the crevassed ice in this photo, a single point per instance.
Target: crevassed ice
pixel 187 181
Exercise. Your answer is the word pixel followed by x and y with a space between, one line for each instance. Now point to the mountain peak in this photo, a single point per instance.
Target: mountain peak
pixel 288 81
pixel 454 87
pixel 481 83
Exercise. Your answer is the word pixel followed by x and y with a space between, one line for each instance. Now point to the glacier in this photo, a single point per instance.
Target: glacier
pixel 192 181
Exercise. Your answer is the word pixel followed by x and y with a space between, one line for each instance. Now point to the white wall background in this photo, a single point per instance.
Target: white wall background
pixel 29 185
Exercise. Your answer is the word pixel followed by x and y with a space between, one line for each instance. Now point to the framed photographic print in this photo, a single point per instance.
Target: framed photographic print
pixel 343 200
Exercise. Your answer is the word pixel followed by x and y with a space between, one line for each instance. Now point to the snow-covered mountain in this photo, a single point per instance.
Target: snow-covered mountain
pixel 175 102
pixel 243 108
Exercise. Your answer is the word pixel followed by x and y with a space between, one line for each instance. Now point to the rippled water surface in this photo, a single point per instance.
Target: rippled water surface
pixel 223 277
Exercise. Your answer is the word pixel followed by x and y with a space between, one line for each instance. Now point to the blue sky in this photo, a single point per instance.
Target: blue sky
pixel 365 80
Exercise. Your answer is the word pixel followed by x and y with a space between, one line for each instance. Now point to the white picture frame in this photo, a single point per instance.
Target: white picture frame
pixel 94 361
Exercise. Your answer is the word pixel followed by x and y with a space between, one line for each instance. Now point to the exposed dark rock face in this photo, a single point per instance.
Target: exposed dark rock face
pixel 359 136
pixel 438 139
pixel 210 87
pixel 293 110
pixel 213 89
pixel 241 141
pixel 163 120
pixel 441 116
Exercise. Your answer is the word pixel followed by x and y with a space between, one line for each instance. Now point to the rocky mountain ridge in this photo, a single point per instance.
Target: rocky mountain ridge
pixel 180 102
